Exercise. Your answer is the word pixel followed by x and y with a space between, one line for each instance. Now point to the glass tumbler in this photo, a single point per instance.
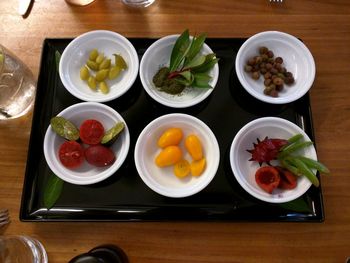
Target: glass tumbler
pixel 21 249
pixel 138 3
pixel 17 86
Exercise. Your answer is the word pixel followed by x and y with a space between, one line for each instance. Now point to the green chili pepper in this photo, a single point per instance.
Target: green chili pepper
pixel 314 164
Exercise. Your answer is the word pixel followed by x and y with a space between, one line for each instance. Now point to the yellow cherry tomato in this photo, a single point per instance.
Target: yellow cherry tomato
pixel 182 168
pixel 197 167
pixel 194 147
pixel 171 136
pixel 169 156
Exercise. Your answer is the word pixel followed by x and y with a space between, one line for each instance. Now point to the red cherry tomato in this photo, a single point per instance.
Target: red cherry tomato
pixel 91 132
pixel 99 155
pixel 288 179
pixel 268 178
pixel 71 154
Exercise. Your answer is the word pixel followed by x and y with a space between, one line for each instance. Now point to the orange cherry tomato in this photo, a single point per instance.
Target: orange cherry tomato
pixel 169 156
pixel 182 168
pixel 171 136
pixel 197 167
pixel 194 147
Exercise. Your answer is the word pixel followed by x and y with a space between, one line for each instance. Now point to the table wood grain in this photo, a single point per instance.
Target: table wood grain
pixel 324 27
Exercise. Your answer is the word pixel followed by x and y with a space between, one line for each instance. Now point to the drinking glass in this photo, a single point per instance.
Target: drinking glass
pixel 21 249
pixel 17 86
pixel 138 3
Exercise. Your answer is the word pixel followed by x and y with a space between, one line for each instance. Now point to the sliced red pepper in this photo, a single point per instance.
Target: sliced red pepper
pixel 288 179
pixel 268 178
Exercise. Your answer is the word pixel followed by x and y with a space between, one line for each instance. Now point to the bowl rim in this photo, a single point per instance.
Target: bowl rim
pixel 246 186
pixel 159 98
pixel 109 171
pixel 299 44
pixel 107 97
pixel 162 190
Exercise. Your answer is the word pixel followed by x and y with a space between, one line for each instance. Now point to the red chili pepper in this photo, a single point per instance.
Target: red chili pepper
pixel 268 178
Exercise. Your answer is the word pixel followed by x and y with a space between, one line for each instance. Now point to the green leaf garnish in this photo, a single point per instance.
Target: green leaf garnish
pixel 188 68
pixel 52 190
pixel 57 60
pixel 180 50
pixel 297 205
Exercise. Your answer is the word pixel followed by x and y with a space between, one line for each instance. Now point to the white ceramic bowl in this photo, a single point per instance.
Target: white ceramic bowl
pixel 76 54
pixel 157 56
pixel 244 170
pixel 162 180
pixel 296 58
pixel 86 174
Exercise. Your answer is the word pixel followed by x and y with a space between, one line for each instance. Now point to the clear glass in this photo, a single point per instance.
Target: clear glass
pixel 20 249
pixel 79 2
pixel 17 86
pixel 138 3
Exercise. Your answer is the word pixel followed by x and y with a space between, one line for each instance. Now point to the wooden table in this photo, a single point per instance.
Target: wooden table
pixel 324 27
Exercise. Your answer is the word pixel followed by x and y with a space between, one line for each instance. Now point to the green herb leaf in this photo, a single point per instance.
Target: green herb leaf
pixel 180 50
pixel 297 205
pixel 52 190
pixel 196 62
pixel 57 59
pixel 195 48
pixel 201 80
pixel 210 61
pixel 188 76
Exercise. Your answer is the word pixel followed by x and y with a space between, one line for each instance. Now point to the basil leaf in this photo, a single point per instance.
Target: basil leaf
pixel 196 46
pixel 297 205
pixel 52 190
pixel 57 60
pixel 180 50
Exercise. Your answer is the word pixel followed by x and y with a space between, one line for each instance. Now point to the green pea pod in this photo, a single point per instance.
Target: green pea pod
pixel 295 138
pixel 314 164
pixel 64 128
pixel 293 147
pixel 305 170
pixel 289 166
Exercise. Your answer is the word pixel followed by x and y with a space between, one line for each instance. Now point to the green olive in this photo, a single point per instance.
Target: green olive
pixel 106 63
pixel 114 72
pixel 84 73
pixel 101 74
pixel 103 87
pixel 93 54
pixel 120 62
pixel 91 83
pixel 100 58
pixel 92 65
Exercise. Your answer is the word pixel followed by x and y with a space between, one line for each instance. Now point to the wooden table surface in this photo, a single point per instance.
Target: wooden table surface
pixel 324 27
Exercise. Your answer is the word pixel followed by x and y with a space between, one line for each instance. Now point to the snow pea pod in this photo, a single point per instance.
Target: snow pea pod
pixel 286 164
pixel 293 147
pixel 314 164
pixel 305 170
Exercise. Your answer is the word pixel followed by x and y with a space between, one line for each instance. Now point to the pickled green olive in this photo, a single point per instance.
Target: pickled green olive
pixel 92 83
pixel 92 65
pixel 84 73
pixel 105 64
pixel 100 58
pixel 101 74
pixel 93 54
pixel 114 72
pixel 120 62
pixel 103 87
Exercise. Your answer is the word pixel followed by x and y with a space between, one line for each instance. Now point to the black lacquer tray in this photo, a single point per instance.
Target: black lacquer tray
pixel 124 196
